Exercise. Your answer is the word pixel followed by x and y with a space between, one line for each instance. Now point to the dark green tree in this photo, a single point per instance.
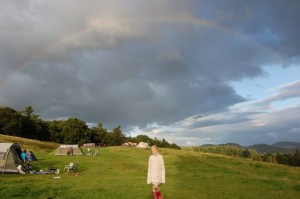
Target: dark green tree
pixel 28 111
pixel 109 139
pixel 143 138
pixel 118 136
pixel 55 131
pixel 297 158
pixel 291 158
pixel 246 153
pixel 102 132
pixel 92 136
pixel 41 129
pixel 73 131
pixel 10 121
pixel 164 143
pixel 282 158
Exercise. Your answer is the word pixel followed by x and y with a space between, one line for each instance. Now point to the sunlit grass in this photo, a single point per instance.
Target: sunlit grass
pixel 120 173
pixel 29 144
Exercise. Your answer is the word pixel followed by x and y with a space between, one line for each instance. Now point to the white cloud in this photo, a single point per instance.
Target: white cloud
pixel 239 123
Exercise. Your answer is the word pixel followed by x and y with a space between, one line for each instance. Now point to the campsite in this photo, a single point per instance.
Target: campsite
pixel 120 172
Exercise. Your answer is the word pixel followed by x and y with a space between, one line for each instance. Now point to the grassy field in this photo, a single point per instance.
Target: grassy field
pixel 120 173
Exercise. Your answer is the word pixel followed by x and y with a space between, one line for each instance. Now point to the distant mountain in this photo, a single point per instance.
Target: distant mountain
pixel 287 145
pixel 265 148
pixel 283 147
pixel 207 145
pixel 230 144
pixel 227 144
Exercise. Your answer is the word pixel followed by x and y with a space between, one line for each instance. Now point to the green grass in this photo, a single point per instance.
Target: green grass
pixel 120 173
pixel 29 144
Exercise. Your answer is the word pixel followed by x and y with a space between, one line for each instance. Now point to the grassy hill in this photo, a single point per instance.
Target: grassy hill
pixel 120 173
pixel 29 144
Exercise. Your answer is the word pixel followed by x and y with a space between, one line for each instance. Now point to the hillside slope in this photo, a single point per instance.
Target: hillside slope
pixel 120 172
pixel 29 144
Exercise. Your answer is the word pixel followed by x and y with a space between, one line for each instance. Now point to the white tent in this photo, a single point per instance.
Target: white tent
pixel 89 144
pixel 69 150
pixel 10 158
pixel 143 145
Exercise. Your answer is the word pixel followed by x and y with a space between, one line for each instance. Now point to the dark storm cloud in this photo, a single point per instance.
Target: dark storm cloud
pixel 274 24
pixel 138 62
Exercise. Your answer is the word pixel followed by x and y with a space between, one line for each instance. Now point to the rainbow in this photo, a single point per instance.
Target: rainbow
pixel 70 38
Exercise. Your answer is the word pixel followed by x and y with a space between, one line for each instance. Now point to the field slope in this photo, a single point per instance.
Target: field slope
pixel 120 173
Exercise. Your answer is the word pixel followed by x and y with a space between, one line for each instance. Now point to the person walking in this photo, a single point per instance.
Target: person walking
pixel 156 172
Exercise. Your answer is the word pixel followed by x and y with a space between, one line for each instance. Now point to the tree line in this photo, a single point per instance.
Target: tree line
pixel 292 159
pixel 68 131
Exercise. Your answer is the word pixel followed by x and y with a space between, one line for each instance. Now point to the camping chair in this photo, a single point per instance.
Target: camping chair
pixel 89 152
pixel 95 152
pixel 70 167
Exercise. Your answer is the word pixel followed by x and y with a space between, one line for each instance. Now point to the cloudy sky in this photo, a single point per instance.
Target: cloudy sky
pixel 193 72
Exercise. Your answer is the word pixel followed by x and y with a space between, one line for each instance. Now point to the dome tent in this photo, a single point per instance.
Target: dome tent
pixel 143 145
pixel 10 158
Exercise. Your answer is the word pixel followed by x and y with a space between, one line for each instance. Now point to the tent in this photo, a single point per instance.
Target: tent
pixel 143 145
pixel 89 144
pixel 68 150
pixel 10 157
pixel 30 156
